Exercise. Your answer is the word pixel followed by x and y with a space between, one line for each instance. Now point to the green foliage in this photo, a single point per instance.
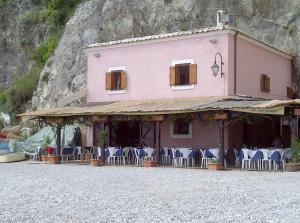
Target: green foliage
pixel 102 137
pixel 167 2
pixel 291 30
pixel 46 141
pixel 55 14
pixel 296 150
pixel 22 90
pixel 42 54
pixel 214 160
pixel 58 11
pixel 1 124
pixel 4 102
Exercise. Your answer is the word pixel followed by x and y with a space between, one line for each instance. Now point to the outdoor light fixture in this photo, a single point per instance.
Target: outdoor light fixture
pixel 215 67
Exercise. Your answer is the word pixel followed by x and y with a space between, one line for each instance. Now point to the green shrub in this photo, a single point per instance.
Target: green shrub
pixel 296 150
pixel 22 89
pixel 58 11
pixel 42 54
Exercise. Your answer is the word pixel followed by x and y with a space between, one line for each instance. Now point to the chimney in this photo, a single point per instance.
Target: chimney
pixel 219 14
pixel 224 19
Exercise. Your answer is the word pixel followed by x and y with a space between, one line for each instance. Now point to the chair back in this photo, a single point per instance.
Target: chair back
pixel 266 153
pixel 79 149
pixel 175 153
pixel 236 153
pixel 215 152
pixel 126 151
pixel 149 151
pixel 136 152
pixel 245 152
pixel 185 152
pixel 165 151
pixel 112 151
pixel 99 150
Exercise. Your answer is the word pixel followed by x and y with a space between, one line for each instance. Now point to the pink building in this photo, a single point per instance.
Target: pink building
pixel 179 65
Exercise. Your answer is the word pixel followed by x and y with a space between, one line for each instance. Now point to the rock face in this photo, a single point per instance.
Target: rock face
pixel 16 32
pixel 276 22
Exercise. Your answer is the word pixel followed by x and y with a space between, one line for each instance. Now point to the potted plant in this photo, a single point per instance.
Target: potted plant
pixel 294 165
pixel 215 164
pixel 148 162
pixel 46 149
pixel 97 161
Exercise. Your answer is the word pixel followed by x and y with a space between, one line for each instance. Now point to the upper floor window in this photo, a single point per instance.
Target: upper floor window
pixel 265 83
pixel 183 73
pixel 116 80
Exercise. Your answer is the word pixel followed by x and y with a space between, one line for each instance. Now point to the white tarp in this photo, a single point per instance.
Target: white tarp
pixel 70 135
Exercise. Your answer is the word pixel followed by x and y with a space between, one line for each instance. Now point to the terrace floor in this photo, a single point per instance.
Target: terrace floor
pixel 81 193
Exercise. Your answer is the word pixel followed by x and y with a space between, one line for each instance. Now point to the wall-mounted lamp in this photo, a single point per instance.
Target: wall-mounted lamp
pixel 215 67
pixel 96 55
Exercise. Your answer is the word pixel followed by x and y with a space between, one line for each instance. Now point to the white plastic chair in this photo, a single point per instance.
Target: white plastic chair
pixel 126 152
pixel 185 157
pixel 246 162
pixel 282 161
pixel 205 160
pixel 79 155
pixel 138 160
pixel 175 160
pixel 236 154
pixel 99 150
pixel 149 152
pixel 36 154
pixel 66 156
pixel 166 158
pixel 112 155
pixel 266 161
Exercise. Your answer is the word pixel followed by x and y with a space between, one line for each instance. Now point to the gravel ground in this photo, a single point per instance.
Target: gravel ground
pixel 81 193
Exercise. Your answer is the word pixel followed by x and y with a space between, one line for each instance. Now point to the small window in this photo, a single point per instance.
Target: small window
pixel 182 74
pixel 115 80
pixel 265 83
pixel 181 128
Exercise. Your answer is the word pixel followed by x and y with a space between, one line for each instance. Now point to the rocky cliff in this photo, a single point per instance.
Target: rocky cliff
pixel 16 34
pixel 276 22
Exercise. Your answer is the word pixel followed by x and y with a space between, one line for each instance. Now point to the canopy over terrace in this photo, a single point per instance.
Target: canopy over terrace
pixel 168 106
pixel 241 104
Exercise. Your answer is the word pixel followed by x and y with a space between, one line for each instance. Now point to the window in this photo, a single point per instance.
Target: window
pixel 181 128
pixel 265 83
pixel 116 80
pixel 183 73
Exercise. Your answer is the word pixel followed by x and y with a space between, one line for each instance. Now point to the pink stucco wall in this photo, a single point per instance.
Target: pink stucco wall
pixel 200 138
pixel 252 61
pixel 148 65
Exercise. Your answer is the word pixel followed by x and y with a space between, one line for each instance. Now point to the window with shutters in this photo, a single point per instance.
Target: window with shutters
pixel 265 83
pixel 116 80
pixel 181 128
pixel 183 74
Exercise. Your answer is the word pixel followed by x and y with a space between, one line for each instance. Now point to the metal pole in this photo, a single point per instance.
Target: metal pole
pixel 222 141
pixel 157 140
pixel 58 139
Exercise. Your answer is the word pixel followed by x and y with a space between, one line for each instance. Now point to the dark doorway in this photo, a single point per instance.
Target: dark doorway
pixel 125 133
